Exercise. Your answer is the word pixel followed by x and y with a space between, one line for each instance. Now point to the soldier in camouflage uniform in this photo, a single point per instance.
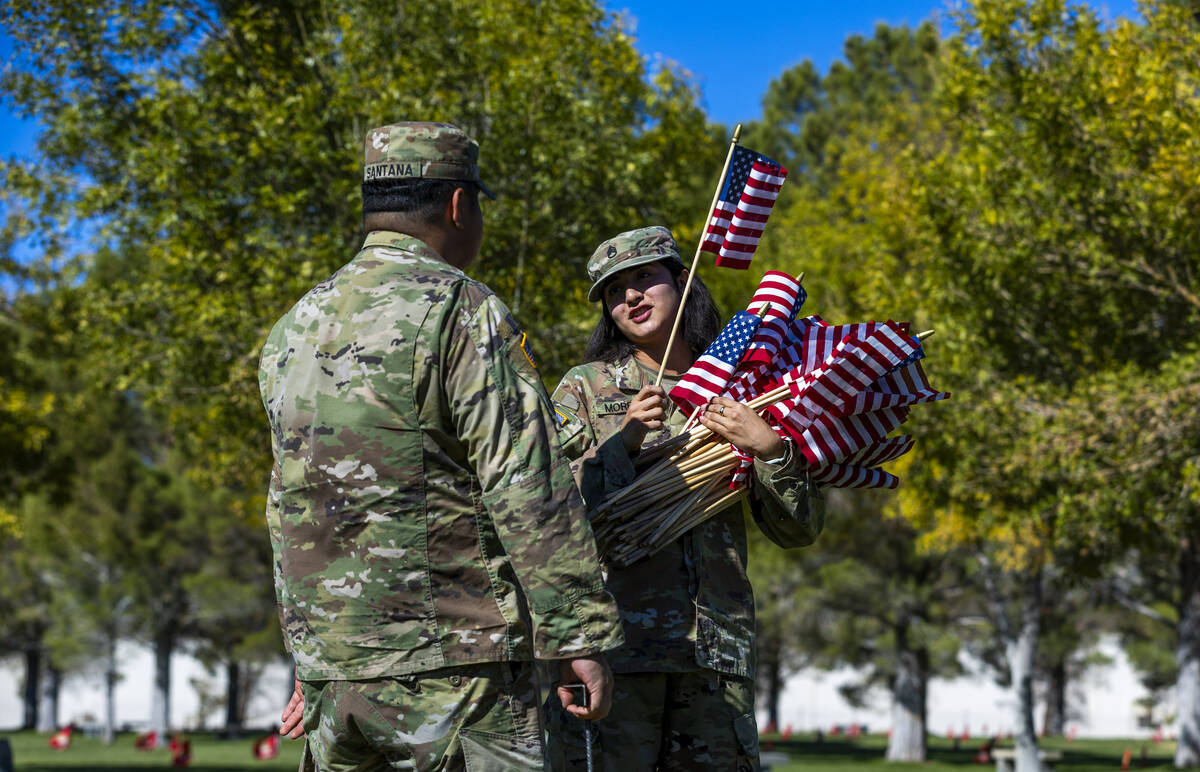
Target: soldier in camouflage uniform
pixel 683 697
pixel 429 540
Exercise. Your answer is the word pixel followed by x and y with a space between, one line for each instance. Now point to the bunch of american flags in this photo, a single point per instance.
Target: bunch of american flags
pixel 835 392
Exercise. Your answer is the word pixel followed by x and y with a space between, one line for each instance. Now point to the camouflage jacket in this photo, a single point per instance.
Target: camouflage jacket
pixel 420 509
pixel 690 605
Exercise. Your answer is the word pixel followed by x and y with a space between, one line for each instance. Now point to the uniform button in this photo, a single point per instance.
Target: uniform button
pixel 455 680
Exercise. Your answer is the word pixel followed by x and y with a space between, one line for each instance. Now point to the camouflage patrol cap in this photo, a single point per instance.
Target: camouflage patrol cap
pixel 626 250
pixel 418 150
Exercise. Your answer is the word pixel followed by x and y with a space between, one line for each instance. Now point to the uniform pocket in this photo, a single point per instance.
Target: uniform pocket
pixel 746 729
pixel 492 752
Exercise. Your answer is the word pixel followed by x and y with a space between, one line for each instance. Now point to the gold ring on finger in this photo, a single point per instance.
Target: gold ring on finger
pixel 721 410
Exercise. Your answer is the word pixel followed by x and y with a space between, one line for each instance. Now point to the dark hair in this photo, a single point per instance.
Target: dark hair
pixel 700 325
pixel 423 200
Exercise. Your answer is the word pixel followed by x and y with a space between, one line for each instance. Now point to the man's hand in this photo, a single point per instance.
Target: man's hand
pixel 647 411
pixel 739 424
pixel 293 714
pixel 593 673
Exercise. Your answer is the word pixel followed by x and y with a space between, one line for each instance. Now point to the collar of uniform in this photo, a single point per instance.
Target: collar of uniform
pixel 397 240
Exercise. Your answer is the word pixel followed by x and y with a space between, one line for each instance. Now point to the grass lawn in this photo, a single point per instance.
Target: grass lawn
pixel 841 755
pixel 32 754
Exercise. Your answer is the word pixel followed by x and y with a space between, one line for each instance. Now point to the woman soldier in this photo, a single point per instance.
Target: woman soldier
pixel 683 697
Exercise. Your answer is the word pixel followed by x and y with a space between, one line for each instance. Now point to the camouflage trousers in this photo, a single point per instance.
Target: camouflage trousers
pixel 664 721
pixel 473 717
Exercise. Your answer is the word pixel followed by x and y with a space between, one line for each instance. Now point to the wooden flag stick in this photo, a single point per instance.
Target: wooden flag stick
pixel 670 487
pixel 687 288
pixel 654 472
pixel 771 397
pixel 666 468
pixel 706 509
pixel 670 519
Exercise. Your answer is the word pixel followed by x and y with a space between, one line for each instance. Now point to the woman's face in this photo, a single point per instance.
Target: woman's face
pixel 642 302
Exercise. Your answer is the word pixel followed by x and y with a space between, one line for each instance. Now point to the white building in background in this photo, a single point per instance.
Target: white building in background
pixel 810 699
pixel 1103 705
pixel 81 699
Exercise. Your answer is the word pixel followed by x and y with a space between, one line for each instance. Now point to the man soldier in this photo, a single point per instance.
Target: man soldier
pixel 428 537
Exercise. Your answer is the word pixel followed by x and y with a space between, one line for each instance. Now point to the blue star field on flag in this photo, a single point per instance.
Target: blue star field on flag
pixel 710 375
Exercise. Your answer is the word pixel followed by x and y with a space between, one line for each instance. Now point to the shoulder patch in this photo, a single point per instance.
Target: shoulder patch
pixel 527 350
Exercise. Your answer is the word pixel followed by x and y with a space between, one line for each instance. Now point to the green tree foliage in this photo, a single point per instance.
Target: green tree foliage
pixel 33 369
pixel 1037 210
pixel 106 538
pixel 805 114
pixel 866 597
pixel 230 592
pixel 217 148
pixel 1062 242
pixel 844 222
pixel 1065 208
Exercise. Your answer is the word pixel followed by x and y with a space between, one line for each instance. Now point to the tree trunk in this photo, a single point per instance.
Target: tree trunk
pixel 160 699
pixel 111 676
pixel 774 689
pixel 233 698
pixel 1020 650
pixel 907 741
pixel 1187 753
pixel 48 700
pixel 33 670
pixel 1055 721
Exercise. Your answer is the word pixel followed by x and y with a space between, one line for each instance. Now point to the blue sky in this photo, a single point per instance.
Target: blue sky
pixel 733 59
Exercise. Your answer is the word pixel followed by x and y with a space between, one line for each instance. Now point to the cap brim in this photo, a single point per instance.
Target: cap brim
pixel 633 262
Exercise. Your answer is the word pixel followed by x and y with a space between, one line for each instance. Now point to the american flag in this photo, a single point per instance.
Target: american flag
pixel 905 385
pixel 747 195
pixel 830 439
pixel 709 376
pixel 783 296
pixel 916 355
pixel 853 366
pixel 823 414
pixel 850 476
pixel 820 339
pixel 883 451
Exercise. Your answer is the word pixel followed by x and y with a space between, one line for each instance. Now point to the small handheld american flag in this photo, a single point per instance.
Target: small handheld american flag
pixel 747 195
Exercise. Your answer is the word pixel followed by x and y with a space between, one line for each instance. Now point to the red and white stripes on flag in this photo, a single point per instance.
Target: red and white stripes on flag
pixel 883 451
pixel 906 386
pixel 829 439
pixel 782 295
pixel 851 368
pixel 849 476
pixel 821 339
pixel 786 366
pixel 748 194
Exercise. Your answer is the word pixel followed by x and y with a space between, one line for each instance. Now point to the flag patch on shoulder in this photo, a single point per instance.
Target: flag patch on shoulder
pixel 527 351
